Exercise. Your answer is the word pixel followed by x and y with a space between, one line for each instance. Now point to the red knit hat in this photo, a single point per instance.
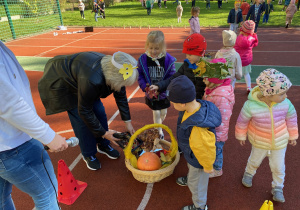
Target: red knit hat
pixel 195 44
pixel 248 27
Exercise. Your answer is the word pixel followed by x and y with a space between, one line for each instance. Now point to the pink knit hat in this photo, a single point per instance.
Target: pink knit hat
pixel 293 1
pixel 248 27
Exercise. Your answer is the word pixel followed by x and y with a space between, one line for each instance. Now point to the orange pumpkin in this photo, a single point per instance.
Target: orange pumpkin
pixel 149 161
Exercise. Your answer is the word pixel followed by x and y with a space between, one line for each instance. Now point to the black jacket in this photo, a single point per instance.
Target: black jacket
pixel 231 16
pixel 185 70
pixel 77 80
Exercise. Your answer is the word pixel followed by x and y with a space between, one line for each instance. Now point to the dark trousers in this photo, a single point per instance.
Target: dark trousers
pixel 82 14
pixel 256 26
pixel 219 4
pixel 102 13
pixel 193 3
pixel 87 140
pixel 165 3
pixel 149 11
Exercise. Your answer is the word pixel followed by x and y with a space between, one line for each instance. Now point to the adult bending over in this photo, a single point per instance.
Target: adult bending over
pixel 22 133
pixel 76 83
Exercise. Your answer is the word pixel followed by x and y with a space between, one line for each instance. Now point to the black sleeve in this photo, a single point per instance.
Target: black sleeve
pixel 163 85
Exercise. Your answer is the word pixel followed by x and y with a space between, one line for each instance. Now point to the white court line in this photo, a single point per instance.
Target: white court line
pixel 39 55
pixel 146 197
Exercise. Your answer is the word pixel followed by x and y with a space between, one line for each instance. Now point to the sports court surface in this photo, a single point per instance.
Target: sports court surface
pixel 113 186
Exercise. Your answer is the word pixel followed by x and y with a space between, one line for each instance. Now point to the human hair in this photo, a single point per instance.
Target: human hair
pixel 156 37
pixel 113 78
pixel 195 10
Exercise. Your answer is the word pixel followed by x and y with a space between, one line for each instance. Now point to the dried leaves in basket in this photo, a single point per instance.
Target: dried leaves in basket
pixel 148 137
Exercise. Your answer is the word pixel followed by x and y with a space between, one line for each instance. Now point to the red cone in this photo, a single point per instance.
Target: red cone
pixel 69 189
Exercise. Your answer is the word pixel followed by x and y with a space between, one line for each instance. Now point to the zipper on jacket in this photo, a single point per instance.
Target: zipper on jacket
pixel 272 124
pixel 149 81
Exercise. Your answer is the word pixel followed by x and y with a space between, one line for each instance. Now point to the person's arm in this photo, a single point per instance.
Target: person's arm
pixel 202 143
pixel 192 24
pixel 291 122
pixel 229 17
pixel 18 113
pixel 241 127
pixel 142 79
pixel 238 67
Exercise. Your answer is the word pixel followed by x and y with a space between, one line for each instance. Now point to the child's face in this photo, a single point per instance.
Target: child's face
pixel 237 6
pixel 154 49
pixel 193 58
pixel 258 1
pixel 196 14
pixel 278 98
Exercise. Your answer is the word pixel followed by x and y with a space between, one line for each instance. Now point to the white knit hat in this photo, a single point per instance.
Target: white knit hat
pixel 229 38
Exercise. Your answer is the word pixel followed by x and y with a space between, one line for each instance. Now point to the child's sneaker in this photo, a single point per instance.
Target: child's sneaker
pixel 278 194
pixel 193 207
pixel 216 173
pixel 247 180
pixel 182 181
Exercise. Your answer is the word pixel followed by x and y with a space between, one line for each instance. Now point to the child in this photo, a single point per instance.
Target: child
pixel 194 47
pixel 243 45
pixel 235 17
pixel 81 7
pixel 270 121
pixel 165 3
pixel 245 9
pixel 255 12
pixel 207 4
pixel 154 66
pixel 102 9
pixel 96 8
pixel 221 93
pixel 268 9
pixel 196 125
pixel 290 11
pixel 179 11
pixel 194 20
pixel 159 4
pixel 229 53
pixel 148 7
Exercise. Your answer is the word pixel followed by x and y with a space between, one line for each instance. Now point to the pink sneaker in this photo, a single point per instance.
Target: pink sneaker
pixel 216 173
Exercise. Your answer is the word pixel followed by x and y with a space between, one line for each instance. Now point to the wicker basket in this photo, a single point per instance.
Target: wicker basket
pixel 157 175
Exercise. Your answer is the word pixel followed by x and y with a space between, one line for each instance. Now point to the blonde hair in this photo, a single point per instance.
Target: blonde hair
pixel 157 37
pixel 195 10
pixel 113 78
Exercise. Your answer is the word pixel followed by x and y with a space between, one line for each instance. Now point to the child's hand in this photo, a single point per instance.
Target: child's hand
pixel 293 142
pixel 208 171
pixel 242 143
pixel 153 87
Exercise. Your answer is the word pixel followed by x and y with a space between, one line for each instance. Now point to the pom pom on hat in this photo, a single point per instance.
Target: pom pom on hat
pixel 229 38
pixel 195 44
pixel 181 90
pixel 248 27
pixel 272 82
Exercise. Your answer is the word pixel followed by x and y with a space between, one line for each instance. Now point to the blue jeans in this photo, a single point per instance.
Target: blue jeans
pixel 23 167
pixel 87 140
pixel 96 16
pixel 218 164
pixel 266 18
pixel 207 5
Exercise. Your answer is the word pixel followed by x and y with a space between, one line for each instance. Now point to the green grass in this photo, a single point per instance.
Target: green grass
pixel 132 14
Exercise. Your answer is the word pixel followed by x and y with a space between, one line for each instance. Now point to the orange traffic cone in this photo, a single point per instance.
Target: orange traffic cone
pixel 69 189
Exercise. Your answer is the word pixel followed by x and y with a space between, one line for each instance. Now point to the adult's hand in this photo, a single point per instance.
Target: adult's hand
pixel 58 144
pixel 154 87
pixel 129 127
pixel 109 136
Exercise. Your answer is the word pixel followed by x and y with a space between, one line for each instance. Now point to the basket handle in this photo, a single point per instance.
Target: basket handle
pixel 132 158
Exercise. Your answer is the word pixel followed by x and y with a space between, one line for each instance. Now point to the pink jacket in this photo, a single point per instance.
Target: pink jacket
pixel 223 98
pixel 244 45
pixel 267 127
pixel 195 25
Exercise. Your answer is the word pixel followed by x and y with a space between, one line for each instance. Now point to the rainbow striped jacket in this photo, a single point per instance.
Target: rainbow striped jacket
pixel 267 127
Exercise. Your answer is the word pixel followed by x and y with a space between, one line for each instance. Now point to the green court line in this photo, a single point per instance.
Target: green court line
pixel 292 72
